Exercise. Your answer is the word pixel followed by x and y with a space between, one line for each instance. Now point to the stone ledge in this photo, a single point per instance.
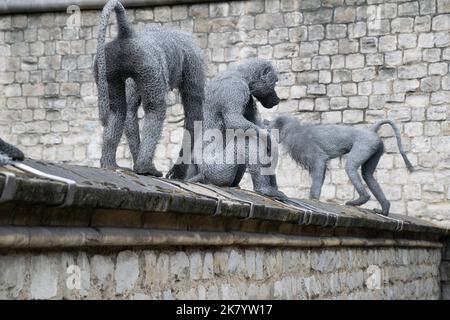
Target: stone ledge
pixel 54 237
pixel 122 199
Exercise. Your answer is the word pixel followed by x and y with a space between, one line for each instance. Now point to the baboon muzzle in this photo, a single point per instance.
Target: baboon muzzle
pixel 270 100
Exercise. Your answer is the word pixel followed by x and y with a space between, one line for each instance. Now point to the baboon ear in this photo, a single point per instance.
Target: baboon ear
pixel 267 70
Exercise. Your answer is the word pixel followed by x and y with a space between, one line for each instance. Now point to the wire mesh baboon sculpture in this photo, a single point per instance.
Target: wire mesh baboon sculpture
pixel 8 152
pixel 311 146
pixel 143 67
pixel 229 104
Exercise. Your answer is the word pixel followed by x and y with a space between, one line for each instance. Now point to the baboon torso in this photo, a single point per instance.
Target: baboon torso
pixel 331 140
pixel 130 57
pixel 219 94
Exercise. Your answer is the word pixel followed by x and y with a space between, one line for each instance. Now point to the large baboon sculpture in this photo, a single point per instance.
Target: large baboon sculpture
pixel 143 67
pixel 229 105
pixel 8 152
pixel 311 146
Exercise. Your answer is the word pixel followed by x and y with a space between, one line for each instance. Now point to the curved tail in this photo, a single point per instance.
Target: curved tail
pixel 377 126
pixel 125 30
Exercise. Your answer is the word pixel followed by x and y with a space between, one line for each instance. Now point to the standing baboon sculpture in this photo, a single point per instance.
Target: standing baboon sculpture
pixel 229 104
pixel 311 146
pixel 8 152
pixel 144 66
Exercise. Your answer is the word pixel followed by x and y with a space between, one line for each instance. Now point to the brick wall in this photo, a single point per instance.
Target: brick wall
pixel 340 61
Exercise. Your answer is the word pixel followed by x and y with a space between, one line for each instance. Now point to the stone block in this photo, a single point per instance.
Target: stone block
pixel 441 22
pixel 43 277
pixel 126 272
pixel 408 9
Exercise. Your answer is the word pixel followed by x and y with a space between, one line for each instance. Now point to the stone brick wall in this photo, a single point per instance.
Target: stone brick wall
pixel 340 61
pixel 227 273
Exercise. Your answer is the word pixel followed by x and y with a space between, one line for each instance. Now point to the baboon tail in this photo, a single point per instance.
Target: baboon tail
pixel 125 30
pixel 377 126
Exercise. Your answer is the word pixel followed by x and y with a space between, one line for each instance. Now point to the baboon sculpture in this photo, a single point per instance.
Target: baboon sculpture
pixel 229 104
pixel 142 67
pixel 311 146
pixel 8 152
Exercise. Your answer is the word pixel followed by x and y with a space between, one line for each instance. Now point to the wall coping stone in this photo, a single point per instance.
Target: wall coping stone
pixel 121 199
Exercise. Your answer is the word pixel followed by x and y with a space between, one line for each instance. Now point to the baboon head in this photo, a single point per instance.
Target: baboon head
pixel 282 123
pixel 263 81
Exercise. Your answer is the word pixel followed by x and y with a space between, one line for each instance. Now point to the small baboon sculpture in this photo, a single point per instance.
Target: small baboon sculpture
pixel 8 152
pixel 311 146
pixel 229 104
pixel 144 66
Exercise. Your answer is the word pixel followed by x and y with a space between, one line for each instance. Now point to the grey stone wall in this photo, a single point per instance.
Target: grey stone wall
pixel 340 61
pixel 227 273
pixel 445 272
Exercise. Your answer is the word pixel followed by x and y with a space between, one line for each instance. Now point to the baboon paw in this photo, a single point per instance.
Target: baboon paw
pixel 152 171
pixel 197 179
pixel 110 166
pixel 123 169
pixel 272 193
pixel 280 196
pixel 350 203
pixel 382 212
pixel 18 156
pixel 170 174
pixel 176 172
pixel 358 202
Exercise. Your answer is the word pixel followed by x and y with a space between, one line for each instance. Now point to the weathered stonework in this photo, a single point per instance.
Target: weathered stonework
pixel 224 273
pixel 445 272
pixel 339 61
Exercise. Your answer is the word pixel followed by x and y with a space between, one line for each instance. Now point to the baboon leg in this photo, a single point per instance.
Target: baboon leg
pixel 192 106
pixel 368 168
pixel 272 177
pixel 263 183
pixel 154 113
pixel 192 171
pixel 114 125
pixel 239 174
pixel 273 181
pixel 192 95
pixel 132 121
pixel 356 157
pixel 317 176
